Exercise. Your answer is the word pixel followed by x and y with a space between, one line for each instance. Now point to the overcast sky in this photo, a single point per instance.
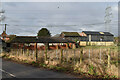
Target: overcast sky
pixel 26 18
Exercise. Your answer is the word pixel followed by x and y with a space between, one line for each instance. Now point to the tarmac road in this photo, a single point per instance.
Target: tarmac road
pixel 14 70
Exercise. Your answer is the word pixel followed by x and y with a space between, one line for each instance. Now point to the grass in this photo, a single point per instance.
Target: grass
pixel 92 70
pixel 61 68
pixel 95 47
pixel 43 65
pixel 115 63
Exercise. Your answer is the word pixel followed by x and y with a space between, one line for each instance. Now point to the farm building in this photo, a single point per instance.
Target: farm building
pixel 90 37
pixel 29 42
pixel 99 38
pixel 74 36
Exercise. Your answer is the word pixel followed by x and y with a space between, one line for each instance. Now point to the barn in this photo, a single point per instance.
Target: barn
pixel 78 37
pixel 90 37
pixel 29 42
pixel 99 38
pixel 74 36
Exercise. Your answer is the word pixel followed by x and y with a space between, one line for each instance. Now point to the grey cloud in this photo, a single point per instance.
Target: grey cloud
pixel 30 17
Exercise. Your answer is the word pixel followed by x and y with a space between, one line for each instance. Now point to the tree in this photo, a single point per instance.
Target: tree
pixel 44 32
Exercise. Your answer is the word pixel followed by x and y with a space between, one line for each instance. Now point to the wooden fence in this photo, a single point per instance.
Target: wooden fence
pixel 71 56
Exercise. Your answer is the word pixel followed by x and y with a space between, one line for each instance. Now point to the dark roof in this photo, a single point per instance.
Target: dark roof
pixel 71 33
pixel 34 39
pixel 98 33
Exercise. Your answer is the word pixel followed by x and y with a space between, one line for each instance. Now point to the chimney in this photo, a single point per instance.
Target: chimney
pixel 5 27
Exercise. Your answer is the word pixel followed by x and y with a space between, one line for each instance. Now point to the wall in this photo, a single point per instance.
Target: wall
pixel 82 43
pixel 98 37
pixel 93 43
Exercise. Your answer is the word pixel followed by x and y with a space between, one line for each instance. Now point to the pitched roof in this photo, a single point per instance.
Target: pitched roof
pixel 98 33
pixel 34 39
pixel 71 33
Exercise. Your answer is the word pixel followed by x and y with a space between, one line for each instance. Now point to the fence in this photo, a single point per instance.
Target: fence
pixel 67 55
pixel 78 59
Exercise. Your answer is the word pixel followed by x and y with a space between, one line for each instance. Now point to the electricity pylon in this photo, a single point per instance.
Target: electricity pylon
pixel 108 16
pixel 1 12
pixel 2 17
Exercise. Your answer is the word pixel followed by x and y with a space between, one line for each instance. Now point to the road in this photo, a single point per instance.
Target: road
pixel 14 70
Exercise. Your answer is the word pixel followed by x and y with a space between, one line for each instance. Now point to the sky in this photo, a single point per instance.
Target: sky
pixel 27 18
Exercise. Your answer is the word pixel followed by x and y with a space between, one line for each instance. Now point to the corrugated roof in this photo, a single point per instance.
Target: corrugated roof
pixel 34 39
pixel 71 33
pixel 98 33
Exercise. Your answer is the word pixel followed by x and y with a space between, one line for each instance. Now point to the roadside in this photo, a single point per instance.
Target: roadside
pixel 74 69
pixel 69 74
pixel 23 71
pixel 65 74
